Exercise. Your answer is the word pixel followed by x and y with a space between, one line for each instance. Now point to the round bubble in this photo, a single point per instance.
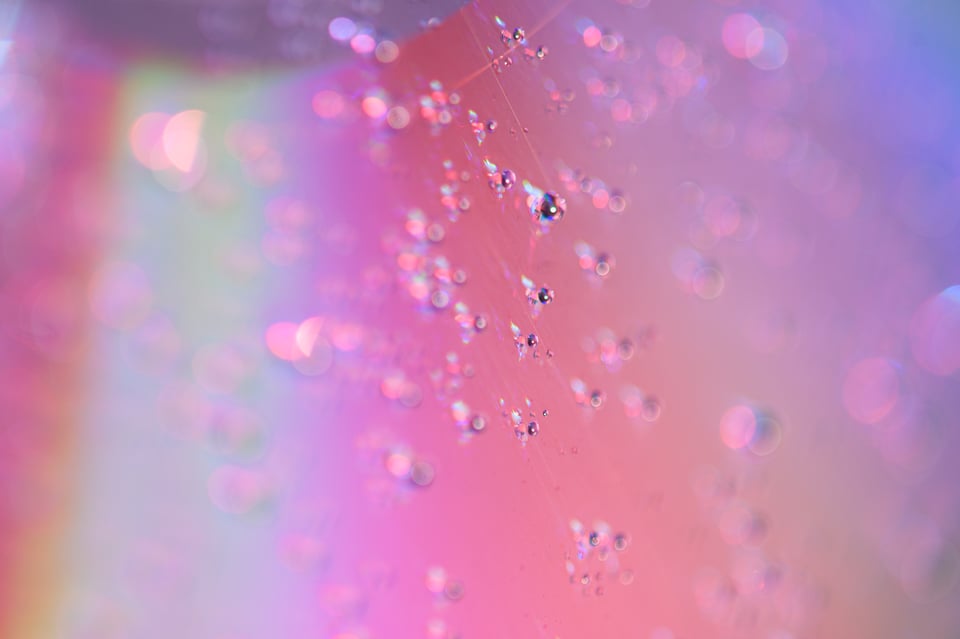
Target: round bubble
pixel 935 333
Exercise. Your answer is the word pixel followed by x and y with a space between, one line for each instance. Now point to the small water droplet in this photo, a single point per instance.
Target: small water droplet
pixel 453 590
pixel 545 295
pixel 596 398
pixel 519 34
pixel 650 411
pixel 478 423
pixel 594 539
pixel 620 542
pixel 533 429
pixel 604 265
pixel 435 233
pixel 507 179
pixel 422 474
pixel 541 53
pixel 532 340
pixel 551 207
pixel 546 412
pixel 440 299
pixel 480 322
pixel 491 126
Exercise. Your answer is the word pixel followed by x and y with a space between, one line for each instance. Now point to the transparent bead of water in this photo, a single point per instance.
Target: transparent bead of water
pixel 596 398
pixel 620 542
pixel 478 423
pixel 551 207
pixel 604 265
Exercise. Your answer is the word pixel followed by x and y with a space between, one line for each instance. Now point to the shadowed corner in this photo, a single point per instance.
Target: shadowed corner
pixel 248 33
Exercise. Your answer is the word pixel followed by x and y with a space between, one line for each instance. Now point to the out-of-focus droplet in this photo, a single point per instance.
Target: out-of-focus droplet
pixel 387 51
pixel 935 333
pixel 766 436
pixel 342 29
pixel 737 426
pixel 453 590
pixel 735 33
pixel 620 542
pixel 650 409
pixel 708 282
pixel 422 473
pixel 767 49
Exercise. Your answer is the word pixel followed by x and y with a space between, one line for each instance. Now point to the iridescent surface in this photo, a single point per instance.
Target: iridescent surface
pixel 543 319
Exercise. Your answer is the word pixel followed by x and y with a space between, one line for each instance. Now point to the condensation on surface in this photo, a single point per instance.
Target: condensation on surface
pixel 576 319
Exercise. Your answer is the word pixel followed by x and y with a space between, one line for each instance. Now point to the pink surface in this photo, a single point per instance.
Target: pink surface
pixel 313 390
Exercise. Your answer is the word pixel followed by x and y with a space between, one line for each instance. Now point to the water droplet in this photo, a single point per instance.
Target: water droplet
pixel 546 412
pixel 620 542
pixel 541 53
pixel 519 34
pixel 480 322
pixel 596 398
pixel 435 233
pixel 594 539
pixel 491 126
pixel 453 590
pixel 533 429
pixel 545 295
pixel 422 474
pixel 604 265
pixel 440 299
pixel 551 207
pixel 507 179
pixel 650 410
pixel 626 349
pixel 532 340
pixel 478 423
